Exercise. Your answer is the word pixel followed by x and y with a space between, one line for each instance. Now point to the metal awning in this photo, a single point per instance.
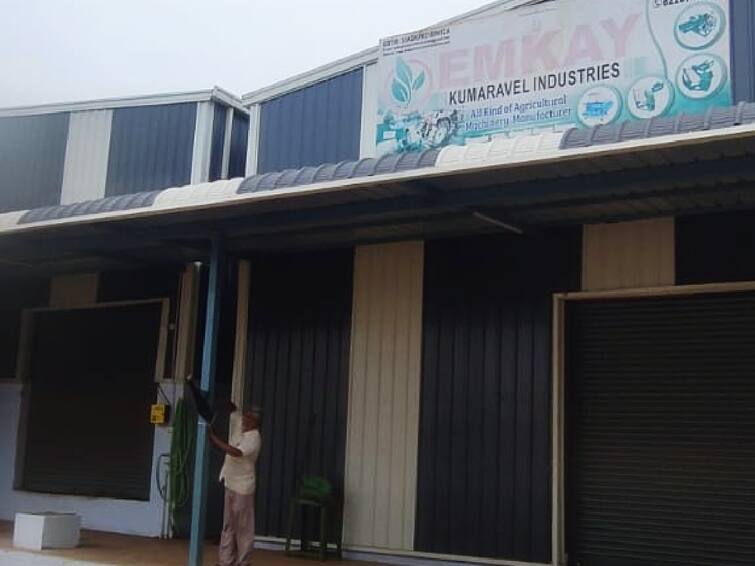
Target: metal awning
pixel 635 170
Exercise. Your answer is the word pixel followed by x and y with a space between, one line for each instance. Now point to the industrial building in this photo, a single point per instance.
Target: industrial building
pixel 506 334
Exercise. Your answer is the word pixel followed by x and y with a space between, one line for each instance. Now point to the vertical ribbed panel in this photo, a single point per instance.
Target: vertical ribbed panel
pixel 484 470
pixel 314 125
pixel 202 146
pixel 150 148
pixel 239 140
pixel 297 371
pixel 218 137
pixel 381 452
pixel 743 49
pixel 370 89
pixel 87 150
pixel 32 156
pixel 628 255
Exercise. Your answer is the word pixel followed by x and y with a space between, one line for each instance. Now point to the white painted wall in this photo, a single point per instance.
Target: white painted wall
pixel 369 111
pixel 120 516
pixel 87 152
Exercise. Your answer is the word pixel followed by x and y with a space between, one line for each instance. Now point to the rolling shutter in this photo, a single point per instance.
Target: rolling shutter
pixel 661 431
pixel 91 384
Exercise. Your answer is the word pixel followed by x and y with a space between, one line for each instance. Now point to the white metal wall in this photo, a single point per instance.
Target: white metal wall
pixel 369 111
pixel 383 426
pixel 87 153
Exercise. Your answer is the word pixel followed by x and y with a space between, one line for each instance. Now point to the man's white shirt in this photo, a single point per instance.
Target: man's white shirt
pixel 238 473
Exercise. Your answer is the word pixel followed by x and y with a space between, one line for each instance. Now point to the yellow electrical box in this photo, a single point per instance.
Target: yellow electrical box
pixel 159 414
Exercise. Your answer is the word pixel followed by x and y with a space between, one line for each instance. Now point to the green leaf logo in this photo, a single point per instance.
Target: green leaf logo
pixel 419 81
pixel 403 72
pixel 405 84
pixel 400 92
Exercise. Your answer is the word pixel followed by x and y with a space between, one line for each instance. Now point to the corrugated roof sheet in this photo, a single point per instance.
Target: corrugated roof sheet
pixel 392 163
pixel 715 118
pixel 107 204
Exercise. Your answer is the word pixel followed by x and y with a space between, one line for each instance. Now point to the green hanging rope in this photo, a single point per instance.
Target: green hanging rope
pixel 180 456
pixel 177 491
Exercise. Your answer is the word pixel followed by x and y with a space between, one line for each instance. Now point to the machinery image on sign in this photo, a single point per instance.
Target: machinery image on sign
pixel 702 76
pixel 415 132
pixel 700 25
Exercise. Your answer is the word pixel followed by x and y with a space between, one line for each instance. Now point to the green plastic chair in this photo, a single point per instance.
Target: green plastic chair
pixel 317 492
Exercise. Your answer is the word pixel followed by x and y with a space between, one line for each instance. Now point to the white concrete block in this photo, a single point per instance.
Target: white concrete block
pixel 35 531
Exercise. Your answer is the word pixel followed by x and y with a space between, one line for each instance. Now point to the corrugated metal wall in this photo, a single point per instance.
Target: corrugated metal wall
pixel 628 255
pixel 218 139
pixel 317 124
pixel 239 140
pixel 87 151
pixel 381 452
pixel 484 480
pixel 297 370
pixel 150 148
pixel 743 49
pixel 32 157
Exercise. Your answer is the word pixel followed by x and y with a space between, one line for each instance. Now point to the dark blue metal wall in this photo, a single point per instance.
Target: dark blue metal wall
pixel 239 140
pixel 297 371
pixel 32 157
pixel 218 137
pixel 314 125
pixel 150 148
pixel 743 49
pixel 484 475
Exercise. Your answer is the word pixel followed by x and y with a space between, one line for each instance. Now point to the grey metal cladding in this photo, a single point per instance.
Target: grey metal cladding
pixel 239 141
pixel 393 163
pixel 715 118
pixel 107 204
pixel 743 49
pixel 32 159
pixel 218 139
pixel 317 124
pixel 150 148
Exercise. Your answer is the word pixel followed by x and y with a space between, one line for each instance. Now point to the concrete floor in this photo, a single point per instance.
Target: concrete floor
pixel 122 550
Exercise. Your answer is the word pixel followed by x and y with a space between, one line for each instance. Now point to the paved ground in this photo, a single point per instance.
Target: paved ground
pixel 112 549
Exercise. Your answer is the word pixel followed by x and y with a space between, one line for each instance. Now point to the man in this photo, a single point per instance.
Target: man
pixel 238 475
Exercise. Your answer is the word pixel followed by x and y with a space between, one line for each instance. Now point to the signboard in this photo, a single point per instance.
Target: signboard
pixel 550 67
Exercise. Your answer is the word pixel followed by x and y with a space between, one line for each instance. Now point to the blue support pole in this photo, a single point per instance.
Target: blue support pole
pixel 207 382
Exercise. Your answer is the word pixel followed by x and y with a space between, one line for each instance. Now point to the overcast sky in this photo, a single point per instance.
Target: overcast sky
pixel 67 50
